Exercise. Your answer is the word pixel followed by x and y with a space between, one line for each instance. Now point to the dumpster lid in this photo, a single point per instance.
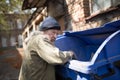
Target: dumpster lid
pixel 106 28
pixel 96 35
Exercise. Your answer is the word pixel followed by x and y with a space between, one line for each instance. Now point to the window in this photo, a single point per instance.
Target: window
pixel 19 24
pixel 101 5
pixel 19 40
pixel 13 41
pixel 31 29
pixel 25 35
pixel 11 24
pixel 4 42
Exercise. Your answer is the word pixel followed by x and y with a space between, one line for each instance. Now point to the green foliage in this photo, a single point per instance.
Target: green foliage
pixel 8 7
pixel 3 23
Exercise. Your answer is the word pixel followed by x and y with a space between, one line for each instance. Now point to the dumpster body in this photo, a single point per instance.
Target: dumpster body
pixel 97 53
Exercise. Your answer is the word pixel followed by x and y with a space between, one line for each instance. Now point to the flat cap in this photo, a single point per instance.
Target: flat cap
pixel 49 23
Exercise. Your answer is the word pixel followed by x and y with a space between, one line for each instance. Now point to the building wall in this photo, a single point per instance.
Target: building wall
pixel 13 35
pixel 82 17
pixel 77 15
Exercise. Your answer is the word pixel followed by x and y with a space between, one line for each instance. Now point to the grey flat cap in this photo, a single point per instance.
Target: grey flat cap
pixel 49 23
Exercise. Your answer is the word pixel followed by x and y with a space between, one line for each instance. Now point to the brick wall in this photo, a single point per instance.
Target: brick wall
pixel 79 11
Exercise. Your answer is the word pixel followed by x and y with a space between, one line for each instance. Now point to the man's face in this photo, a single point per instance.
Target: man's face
pixel 52 34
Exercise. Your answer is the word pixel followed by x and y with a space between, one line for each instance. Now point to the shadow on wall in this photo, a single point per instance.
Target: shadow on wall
pixel 10 63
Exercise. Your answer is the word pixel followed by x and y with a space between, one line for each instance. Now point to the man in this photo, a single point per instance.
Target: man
pixel 41 55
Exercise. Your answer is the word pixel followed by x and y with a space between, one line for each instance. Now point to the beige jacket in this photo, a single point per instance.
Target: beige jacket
pixel 39 59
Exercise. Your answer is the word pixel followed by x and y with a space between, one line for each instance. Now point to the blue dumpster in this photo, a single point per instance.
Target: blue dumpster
pixel 97 53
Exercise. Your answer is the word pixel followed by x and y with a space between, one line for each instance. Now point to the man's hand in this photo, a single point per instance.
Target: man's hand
pixel 73 55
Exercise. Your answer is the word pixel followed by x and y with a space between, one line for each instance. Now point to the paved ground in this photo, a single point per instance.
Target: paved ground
pixel 10 61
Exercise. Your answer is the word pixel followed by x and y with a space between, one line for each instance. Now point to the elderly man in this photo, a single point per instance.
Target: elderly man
pixel 41 55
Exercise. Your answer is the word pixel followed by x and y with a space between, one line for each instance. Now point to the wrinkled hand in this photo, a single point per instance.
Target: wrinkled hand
pixel 73 55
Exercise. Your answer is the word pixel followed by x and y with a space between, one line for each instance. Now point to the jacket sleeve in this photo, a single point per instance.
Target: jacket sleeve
pixel 52 54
